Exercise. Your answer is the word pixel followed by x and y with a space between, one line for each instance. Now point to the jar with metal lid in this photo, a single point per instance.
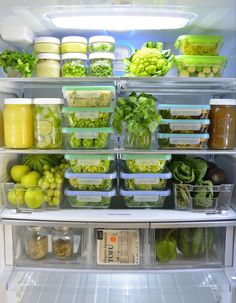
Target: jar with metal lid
pixel 74 44
pixel 101 64
pixel 18 122
pixel 48 65
pixel 47 45
pixel 74 65
pixel 36 242
pixel 62 242
pixel 102 44
pixel 47 122
pixel 223 123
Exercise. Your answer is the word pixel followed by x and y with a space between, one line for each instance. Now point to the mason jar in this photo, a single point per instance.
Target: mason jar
pixel 36 242
pixel 62 242
pixel 74 65
pixel 101 64
pixel 48 65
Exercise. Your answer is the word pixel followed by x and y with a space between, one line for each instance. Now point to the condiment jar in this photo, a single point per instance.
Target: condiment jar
pixel 62 242
pixel 74 44
pixel 47 45
pixel 18 123
pixel 47 122
pixel 74 65
pixel 36 242
pixel 223 123
pixel 48 65
pixel 101 44
pixel 101 64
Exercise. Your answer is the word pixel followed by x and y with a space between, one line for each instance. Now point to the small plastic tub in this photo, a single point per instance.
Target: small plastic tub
pixel 88 117
pixel 74 44
pixel 87 137
pixel 47 45
pixel 101 44
pixel 74 65
pixel 89 199
pixel 91 182
pixel 145 199
pixel 48 65
pixel 182 141
pixel 90 163
pixel 184 126
pixel 89 96
pixel 200 66
pixel 199 44
pixel 101 64
pixel 184 111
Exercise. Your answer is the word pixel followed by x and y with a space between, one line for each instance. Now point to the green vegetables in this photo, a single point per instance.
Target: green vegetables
pixel 101 47
pixel 153 202
pixel 139 166
pixel 101 68
pixel 78 167
pixel 74 68
pixel 91 184
pixel 99 119
pixel 99 142
pixel 132 184
pixel 81 202
pixel 166 246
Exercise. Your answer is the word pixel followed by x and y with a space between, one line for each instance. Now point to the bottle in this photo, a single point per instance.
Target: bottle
pixel 36 242
pixel 62 242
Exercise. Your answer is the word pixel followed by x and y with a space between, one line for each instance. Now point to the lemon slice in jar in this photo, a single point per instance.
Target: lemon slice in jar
pixel 44 128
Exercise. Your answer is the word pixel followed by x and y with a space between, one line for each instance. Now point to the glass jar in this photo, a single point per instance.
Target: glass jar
pixel 48 65
pixel 47 45
pixel 18 123
pixel 101 44
pixel 74 44
pixel 62 242
pixel 74 65
pixel 223 124
pixel 101 64
pixel 36 242
pixel 47 122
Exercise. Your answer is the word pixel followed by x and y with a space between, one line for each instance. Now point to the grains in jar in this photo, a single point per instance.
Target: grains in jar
pixel 62 242
pixel 36 242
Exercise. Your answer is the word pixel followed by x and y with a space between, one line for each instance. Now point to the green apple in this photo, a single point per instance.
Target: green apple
pixel 18 171
pixel 34 197
pixel 30 179
pixel 16 196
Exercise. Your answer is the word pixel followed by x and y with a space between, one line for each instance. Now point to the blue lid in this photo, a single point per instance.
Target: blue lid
pixel 192 106
pixel 195 136
pixel 185 121
pixel 69 174
pixel 164 175
pixel 131 193
pixel 74 193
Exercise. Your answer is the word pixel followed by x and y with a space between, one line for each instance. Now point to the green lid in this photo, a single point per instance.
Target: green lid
pixel 202 60
pixel 198 39
pixel 71 130
pixel 89 157
pixel 87 109
pixel 88 88
pixel 144 157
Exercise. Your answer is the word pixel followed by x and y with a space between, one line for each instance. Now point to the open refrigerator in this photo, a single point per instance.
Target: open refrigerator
pixel 208 278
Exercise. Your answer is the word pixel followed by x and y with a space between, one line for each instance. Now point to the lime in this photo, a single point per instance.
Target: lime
pixel 44 128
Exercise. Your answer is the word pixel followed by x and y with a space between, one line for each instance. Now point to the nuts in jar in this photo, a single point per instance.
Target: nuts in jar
pixel 62 242
pixel 36 242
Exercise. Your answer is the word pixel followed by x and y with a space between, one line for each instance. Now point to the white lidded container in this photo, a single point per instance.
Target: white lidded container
pixel 74 44
pixel 48 65
pixel 74 65
pixel 101 44
pixel 47 45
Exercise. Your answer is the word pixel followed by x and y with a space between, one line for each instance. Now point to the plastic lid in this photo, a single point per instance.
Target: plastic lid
pixel 195 136
pixel 131 193
pixel 101 39
pixel 223 102
pixel 70 130
pixel 18 101
pixel 100 55
pixel 185 121
pixel 75 193
pixel 144 157
pixel 69 174
pixel 198 38
pixel 192 106
pixel 89 157
pixel 77 39
pixel 164 175
pixel 48 56
pixel 47 39
pixel 202 60
pixel 52 101
pixel 74 56
pixel 90 88
pixel 87 109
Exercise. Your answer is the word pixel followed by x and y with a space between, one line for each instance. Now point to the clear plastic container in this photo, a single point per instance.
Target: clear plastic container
pixel 47 122
pixel 144 198
pixel 62 243
pixel 184 126
pixel 90 163
pixel 90 181
pixel 36 242
pixel 200 66
pixel 47 45
pixel 184 111
pixel 89 96
pixel 87 138
pixel 48 65
pixel 74 65
pixel 199 44
pixel 88 117
pixel 182 141
pixel 136 141
pixel 74 44
pixel 101 64
pixel 89 199
pixel 101 44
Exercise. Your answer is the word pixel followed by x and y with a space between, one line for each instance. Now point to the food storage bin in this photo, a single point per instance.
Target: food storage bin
pixel 89 199
pixel 184 126
pixel 184 111
pixel 90 181
pixel 90 163
pixel 62 243
pixel 147 181
pixel 74 65
pixel 87 137
pixel 36 242
pixel 182 141
pixel 101 64
pixel 199 44
pixel 144 198
pixel 101 44
pixel 138 141
pixel 48 65
pixel 89 96
pixel 88 117
pixel 47 45
pixel 47 122
pixel 200 66
pixel 74 44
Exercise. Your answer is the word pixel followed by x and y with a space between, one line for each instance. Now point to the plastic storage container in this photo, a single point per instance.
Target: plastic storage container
pixel 184 111
pixel 48 65
pixel 182 141
pixel 88 117
pixel 47 45
pixel 136 141
pixel 184 126
pixel 74 65
pixel 74 44
pixel 89 96
pixel 36 242
pixel 47 122
pixel 101 44
pixel 89 199
pixel 101 64
pixel 62 242
pixel 87 137
pixel 200 66
pixel 18 123
pixel 144 198
pixel 199 45
pixel 90 163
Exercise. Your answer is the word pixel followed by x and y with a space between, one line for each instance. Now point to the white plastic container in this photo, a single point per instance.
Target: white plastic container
pixel 47 45
pixel 74 44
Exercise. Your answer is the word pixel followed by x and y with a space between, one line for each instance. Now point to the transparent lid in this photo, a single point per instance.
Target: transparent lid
pixel 48 56
pixel 69 174
pixel 77 39
pixel 185 121
pixel 71 130
pixel 89 157
pixel 75 193
pixel 195 136
pixel 18 101
pixel 101 55
pixel 74 56
pixel 131 193
pixel 198 39
pixel 102 39
pixel 89 88
pixel 47 40
pixel 223 102
pixel 42 101
pixel 144 157
pixel 164 175
pixel 191 106
pixel 87 109
pixel 202 60
pixel 62 228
